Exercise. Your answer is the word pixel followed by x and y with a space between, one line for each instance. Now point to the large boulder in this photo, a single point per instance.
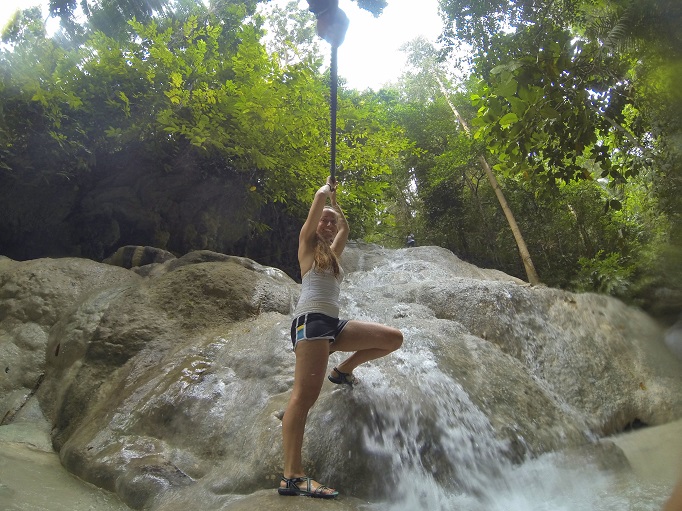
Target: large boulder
pixel 170 387
pixel 34 295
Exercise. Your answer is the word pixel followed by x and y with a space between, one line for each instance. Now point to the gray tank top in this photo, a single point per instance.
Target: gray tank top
pixel 320 293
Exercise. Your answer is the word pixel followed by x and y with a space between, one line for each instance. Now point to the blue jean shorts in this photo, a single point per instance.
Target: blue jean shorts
pixel 313 326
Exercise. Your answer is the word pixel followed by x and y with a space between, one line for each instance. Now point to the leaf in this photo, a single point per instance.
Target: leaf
pixel 549 113
pixel 518 105
pixel 477 121
pixel 508 119
pixel 176 79
pixel 508 66
pixel 508 88
pixel 516 130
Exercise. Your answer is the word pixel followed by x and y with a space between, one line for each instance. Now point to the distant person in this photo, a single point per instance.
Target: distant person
pixel 317 331
pixel 410 240
pixel 673 338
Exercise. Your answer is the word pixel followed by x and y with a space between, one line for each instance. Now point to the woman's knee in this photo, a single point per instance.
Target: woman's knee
pixel 303 401
pixel 395 339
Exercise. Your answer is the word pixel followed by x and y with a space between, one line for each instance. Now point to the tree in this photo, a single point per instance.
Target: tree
pixel 185 96
pixel 580 91
pixel 423 55
pixel 552 99
pixel 290 33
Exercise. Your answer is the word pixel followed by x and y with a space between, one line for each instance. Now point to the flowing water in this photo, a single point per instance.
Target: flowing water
pixel 487 481
pixel 32 479
pixel 552 482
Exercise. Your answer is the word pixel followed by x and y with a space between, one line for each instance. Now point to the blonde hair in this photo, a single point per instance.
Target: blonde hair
pixel 325 257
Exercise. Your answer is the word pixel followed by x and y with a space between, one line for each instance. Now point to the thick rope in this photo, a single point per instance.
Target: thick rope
pixel 332 107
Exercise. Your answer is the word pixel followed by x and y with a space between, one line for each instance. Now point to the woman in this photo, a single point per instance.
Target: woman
pixel 317 331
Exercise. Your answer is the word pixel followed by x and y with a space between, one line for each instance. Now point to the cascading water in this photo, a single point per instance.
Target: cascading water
pixel 458 462
pixel 459 434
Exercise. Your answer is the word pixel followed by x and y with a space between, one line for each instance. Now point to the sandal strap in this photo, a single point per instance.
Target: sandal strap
pixel 292 483
pixel 343 375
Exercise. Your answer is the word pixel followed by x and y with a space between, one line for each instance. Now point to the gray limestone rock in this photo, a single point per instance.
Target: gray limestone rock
pixel 170 387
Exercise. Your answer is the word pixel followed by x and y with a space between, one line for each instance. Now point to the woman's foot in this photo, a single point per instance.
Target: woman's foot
pixel 307 487
pixel 340 378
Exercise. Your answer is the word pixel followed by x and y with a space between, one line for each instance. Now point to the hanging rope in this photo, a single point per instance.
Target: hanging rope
pixel 332 24
pixel 332 107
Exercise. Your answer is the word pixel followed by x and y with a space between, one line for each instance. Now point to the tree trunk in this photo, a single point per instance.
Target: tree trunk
pixel 533 277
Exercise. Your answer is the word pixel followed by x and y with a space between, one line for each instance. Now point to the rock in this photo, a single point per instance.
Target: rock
pixel 33 296
pixel 132 256
pixel 173 384
pixel 263 500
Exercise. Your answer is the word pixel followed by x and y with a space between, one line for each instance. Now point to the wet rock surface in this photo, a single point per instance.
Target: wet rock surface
pixel 173 382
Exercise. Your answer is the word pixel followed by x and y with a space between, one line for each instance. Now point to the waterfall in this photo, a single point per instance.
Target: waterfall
pixel 460 435
pixel 409 390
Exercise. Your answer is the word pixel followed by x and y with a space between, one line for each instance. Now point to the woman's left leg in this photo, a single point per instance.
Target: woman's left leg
pixel 369 341
pixel 311 364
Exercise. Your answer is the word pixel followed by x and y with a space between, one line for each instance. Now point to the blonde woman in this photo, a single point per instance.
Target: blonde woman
pixel 317 331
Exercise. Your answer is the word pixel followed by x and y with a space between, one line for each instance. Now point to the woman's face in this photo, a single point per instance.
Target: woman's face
pixel 327 227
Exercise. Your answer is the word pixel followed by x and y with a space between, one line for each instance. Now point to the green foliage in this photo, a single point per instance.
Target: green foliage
pixel 36 132
pixel 183 93
pixel 605 273
pixel 111 17
pixel 563 106
pixel 576 105
pixel 565 225
pixel 584 97
pixel 538 117
pixel 376 7
pixel 24 25
pixel 290 32
pixel 370 147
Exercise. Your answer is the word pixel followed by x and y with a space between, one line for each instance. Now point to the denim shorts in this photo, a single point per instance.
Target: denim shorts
pixel 313 326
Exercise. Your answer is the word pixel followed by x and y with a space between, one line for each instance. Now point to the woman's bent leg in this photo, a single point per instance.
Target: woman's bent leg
pixel 369 341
